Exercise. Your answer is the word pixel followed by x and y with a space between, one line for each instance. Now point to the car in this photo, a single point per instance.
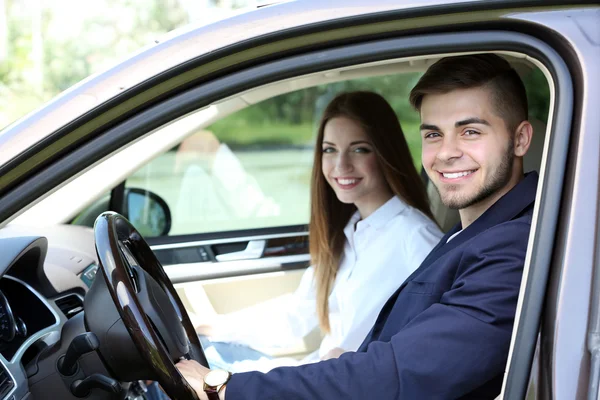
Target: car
pixel 202 144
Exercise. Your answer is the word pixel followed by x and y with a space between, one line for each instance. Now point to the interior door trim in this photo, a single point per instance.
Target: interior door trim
pixel 254 249
pixel 181 273
pixel 225 240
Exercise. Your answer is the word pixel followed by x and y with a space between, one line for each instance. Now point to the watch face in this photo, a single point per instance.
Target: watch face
pixel 216 377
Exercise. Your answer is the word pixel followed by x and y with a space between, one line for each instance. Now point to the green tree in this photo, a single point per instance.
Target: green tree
pixel 38 64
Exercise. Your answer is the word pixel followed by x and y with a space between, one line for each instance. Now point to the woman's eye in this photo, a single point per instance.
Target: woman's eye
pixel 363 150
pixel 328 150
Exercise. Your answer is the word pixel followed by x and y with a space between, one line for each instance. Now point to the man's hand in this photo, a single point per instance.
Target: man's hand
pixel 194 373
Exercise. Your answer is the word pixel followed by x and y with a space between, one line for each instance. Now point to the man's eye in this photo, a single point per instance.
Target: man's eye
pixel 471 132
pixel 432 135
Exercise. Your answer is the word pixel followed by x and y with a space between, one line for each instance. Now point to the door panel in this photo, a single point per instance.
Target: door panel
pixel 221 276
pixel 255 289
pixel 227 295
pixel 222 287
pixel 227 257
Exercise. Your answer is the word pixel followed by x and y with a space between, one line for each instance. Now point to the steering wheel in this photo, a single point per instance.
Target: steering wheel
pixel 148 306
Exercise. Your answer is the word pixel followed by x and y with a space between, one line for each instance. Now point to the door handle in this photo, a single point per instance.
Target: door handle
pixel 253 250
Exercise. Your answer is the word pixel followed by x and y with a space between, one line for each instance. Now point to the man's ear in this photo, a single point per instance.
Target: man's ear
pixel 523 136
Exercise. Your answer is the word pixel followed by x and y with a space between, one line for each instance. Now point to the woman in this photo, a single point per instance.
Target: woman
pixel 370 228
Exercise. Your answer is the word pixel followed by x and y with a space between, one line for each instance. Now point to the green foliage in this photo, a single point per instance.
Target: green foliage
pixel 237 132
pixel 538 95
pixel 123 26
pixel 292 118
pixel 68 63
pixel 119 28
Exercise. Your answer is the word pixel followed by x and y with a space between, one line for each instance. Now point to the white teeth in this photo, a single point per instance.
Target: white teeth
pixel 346 181
pixel 455 175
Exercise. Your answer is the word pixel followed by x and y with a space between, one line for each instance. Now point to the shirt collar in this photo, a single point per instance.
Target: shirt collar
pixel 379 217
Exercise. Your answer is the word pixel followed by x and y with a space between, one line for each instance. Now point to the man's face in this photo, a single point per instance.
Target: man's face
pixel 468 151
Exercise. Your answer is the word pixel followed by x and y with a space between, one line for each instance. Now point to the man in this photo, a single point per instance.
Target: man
pixel 445 333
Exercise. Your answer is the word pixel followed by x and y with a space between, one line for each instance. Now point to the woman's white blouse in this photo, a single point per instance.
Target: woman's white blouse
pixel 380 252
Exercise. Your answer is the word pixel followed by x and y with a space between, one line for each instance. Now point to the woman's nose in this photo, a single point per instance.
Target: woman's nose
pixel 343 163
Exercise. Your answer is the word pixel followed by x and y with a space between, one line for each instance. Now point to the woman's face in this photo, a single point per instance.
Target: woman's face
pixel 350 166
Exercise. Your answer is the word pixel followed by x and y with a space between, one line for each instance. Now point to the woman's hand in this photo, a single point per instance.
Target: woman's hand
pixel 204 326
pixel 205 330
pixel 333 353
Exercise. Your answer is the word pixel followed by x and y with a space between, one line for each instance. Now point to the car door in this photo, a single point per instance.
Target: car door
pixel 334 48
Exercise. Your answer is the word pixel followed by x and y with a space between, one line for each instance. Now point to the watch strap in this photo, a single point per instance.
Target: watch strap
pixel 212 393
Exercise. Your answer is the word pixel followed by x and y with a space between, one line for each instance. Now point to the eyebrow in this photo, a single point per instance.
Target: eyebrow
pixel 351 144
pixel 457 124
pixel 473 120
pixel 429 127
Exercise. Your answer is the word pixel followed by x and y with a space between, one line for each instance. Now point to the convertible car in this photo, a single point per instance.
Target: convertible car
pixel 175 184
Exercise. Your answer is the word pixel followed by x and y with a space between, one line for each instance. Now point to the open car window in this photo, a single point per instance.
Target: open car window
pixel 250 169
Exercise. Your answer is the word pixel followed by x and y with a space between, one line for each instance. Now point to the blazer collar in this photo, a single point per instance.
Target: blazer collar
pixel 509 206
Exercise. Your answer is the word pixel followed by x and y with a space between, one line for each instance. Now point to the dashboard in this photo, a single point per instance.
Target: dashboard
pixel 41 288
pixel 51 348
pixel 26 320
pixel 23 314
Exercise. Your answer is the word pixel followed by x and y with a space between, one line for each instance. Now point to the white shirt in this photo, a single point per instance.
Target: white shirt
pixel 453 236
pixel 383 250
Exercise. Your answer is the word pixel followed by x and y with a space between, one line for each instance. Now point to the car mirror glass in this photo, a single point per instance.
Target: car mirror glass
pixel 148 212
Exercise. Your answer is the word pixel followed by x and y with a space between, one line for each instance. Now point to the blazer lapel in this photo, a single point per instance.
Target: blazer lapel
pixel 519 199
pixel 513 203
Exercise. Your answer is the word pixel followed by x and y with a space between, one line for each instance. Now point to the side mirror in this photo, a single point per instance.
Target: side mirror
pixel 147 211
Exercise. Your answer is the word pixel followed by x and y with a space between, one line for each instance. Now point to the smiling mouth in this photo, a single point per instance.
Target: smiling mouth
pixel 457 175
pixel 347 183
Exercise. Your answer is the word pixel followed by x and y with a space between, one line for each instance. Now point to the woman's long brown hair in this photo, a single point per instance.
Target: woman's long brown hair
pixel 329 216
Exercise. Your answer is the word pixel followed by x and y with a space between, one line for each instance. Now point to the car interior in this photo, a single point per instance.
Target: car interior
pixel 216 272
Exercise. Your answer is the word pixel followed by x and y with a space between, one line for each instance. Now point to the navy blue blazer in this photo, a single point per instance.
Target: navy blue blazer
pixel 444 334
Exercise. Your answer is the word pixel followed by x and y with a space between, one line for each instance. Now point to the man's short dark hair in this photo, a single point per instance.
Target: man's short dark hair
pixel 479 70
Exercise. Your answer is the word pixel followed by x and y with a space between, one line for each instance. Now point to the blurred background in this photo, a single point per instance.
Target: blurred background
pixel 46 46
pixel 261 153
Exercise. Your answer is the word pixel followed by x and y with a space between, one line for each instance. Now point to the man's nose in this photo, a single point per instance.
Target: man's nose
pixel 449 149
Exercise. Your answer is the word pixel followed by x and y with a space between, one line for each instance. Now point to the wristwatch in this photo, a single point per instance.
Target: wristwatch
pixel 214 381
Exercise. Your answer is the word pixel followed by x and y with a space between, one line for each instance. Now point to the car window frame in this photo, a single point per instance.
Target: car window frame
pixel 247 51
pixel 549 193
